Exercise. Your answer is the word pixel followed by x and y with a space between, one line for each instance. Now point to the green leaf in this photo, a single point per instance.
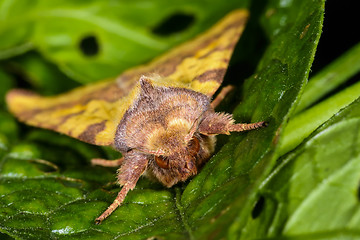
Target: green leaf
pixel 92 40
pixel 48 188
pixel 314 192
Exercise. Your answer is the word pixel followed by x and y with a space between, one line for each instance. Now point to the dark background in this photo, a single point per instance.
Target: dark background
pixel 340 33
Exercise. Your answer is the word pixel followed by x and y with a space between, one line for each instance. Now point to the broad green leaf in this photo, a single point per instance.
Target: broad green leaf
pixel 49 190
pixel 92 40
pixel 314 192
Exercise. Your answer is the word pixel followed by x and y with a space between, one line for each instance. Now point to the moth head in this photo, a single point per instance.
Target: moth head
pixel 175 147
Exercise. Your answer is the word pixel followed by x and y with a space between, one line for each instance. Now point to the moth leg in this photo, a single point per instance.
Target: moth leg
pixel 221 123
pixel 222 94
pixel 134 165
pixel 107 163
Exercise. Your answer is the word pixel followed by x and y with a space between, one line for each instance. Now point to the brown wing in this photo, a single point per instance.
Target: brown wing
pixel 92 113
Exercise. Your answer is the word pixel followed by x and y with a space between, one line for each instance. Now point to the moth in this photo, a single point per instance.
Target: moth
pixel 159 115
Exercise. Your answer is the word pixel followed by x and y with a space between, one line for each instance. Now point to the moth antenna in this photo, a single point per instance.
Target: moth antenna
pixel 107 163
pixel 222 94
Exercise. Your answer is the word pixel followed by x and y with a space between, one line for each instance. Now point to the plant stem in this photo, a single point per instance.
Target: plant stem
pixel 303 124
pixel 336 73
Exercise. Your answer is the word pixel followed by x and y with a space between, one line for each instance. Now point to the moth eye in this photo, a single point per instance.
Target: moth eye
pixel 194 146
pixel 162 162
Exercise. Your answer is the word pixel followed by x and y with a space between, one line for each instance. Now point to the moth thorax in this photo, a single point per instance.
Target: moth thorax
pixel 170 138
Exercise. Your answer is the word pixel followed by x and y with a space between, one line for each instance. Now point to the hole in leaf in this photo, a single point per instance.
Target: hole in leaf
pixel 89 46
pixel 175 23
pixel 258 208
